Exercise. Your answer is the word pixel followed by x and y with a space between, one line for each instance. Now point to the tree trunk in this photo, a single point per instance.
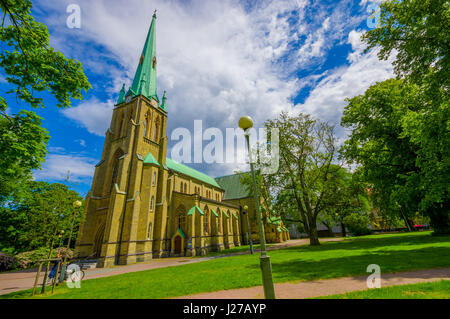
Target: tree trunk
pixel 343 231
pixel 440 219
pixel 313 235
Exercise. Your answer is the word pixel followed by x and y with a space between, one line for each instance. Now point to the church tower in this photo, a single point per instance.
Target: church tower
pixel 126 208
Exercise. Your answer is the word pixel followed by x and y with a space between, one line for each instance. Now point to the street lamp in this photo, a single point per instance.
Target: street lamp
pixel 249 233
pixel 76 204
pixel 246 123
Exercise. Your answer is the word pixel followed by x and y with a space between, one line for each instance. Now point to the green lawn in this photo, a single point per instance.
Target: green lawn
pixel 398 252
pixel 429 290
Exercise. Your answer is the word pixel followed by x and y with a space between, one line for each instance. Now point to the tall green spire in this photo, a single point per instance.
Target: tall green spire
pixel 145 78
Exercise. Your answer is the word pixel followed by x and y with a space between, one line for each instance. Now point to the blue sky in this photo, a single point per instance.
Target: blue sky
pixel 217 60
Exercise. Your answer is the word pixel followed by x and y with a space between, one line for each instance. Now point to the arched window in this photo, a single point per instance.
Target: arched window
pixel 115 169
pixel 206 221
pixel 154 179
pixel 219 220
pixel 185 188
pixel 147 124
pixel 181 187
pixel 149 231
pixel 152 203
pixel 119 131
pixel 155 133
pixel 180 218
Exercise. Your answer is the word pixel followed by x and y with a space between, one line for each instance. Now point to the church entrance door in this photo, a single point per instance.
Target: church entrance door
pixel 178 245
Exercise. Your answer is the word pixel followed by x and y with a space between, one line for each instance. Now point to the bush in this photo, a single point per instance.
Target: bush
pixel 7 262
pixel 357 224
pixel 30 259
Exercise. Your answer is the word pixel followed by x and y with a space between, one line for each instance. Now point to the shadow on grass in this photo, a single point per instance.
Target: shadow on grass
pixel 408 239
pixel 389 261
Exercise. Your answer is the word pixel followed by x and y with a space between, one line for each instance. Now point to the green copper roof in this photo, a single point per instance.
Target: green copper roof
pixel 225 213
pixel 150 159
pixel 214 212
pixel 234 215
pixel 164 99
pixel 183 169
pixel 233 187
pixel 181 233
pixel 145 78
pixel 121 95
pixel 192 210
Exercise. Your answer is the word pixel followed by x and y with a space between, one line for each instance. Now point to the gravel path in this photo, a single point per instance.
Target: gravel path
pixel 317 288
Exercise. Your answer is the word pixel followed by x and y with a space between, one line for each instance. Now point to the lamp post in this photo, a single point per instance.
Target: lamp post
pixel 249 233
pixel 76 204
pixel 246 123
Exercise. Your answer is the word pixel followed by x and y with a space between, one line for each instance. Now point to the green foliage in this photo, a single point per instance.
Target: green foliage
pixel 31 67
pixel 22 147
pixel 357 224
pixel 31 64
pixel 7 262
pixel 417 30
pixel 30 220
pixel 30 259
pixel 303 183
pixel 348 195
pixel 404 182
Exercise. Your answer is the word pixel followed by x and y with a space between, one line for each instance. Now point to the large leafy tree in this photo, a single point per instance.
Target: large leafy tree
pixel 417 32
pixel 307 149
pixel 391 158
pixel 31 66
pixel 30 220
pixel 348 198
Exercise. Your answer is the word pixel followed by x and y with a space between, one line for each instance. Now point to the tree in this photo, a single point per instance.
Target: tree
pixel 417 30
pixel 30 220
pixel 348 199
pixel 307 150
pixel 31 66
pixel 391 158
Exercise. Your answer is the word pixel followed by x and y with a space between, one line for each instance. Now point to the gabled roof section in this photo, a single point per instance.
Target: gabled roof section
pixel 150 159
pixel 233 187
pixel 186 170
pixel 192 210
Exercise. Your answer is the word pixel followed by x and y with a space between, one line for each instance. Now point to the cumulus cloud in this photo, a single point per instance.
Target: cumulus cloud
pixel 218 60
pixel 62 166
pixel 92 114
pixel 327 100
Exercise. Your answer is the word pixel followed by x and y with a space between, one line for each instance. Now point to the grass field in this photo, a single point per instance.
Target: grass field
pixel 393 252
pixel 429 290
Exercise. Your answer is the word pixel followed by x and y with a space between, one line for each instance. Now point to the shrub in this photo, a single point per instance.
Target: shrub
pixel 357 224
pixel 7 262
pixel 30 259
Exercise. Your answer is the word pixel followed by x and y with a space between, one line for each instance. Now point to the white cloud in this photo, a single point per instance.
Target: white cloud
pixel 59 167
pixel 216 60
pixel 327 100
pixel 94 115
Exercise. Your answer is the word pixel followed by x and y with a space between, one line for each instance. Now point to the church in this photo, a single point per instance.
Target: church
pixel 144 205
